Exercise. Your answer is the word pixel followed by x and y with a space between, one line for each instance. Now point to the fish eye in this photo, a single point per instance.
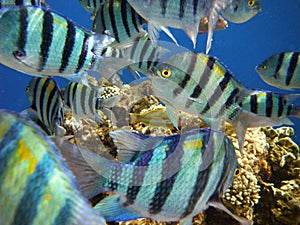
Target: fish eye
pixel 251 3
pixel 27 89
pixel 264 67
pixel 166 73
pixel 237 172
pixel 94 26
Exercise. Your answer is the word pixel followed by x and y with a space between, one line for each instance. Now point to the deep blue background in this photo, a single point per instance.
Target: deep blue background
pixel 241 47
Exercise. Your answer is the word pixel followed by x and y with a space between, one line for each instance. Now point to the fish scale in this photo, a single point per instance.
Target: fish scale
pixel 42 189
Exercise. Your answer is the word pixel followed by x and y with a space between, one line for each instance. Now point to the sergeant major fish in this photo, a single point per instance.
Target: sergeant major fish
pixel 36 186
pixel 200 84
pixel 46 101
pixel 42 42
pixel 281 70
pixel 165 178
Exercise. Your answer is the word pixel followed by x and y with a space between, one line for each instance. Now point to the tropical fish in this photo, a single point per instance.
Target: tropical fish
pixel 5 3
pixel 242 10
pixel 165 178
pixel 45 43
pixel 281 70
pixel 36 186
pixel 201 85
pixel 272 107
pixel 83 101
pixel 47 103
pixel 119 20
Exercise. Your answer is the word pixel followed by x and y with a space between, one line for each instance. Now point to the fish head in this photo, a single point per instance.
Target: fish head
pixel 241 11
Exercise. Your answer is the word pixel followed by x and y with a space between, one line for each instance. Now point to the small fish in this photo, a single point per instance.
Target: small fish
pixel 46 101
pixel 157 117
pixel 201 85
pixel 5 3
pixel 185 15
pixel 281 70
pixel 119 20
pixel 240 11
pixel 165 178
pixel 45 43
pixel 83 101
pixel 36 186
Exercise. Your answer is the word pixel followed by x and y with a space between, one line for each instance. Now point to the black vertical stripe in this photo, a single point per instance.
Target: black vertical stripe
pixel 19 2
pixel 292 67
pixel 103 19
pixel 269 104
pixel 91 99
pixel 22 37
pixel 47 35
pixel 83 54
pixel 52 112
pixel 143 53
pixel 32 91
pixel 42 98
pixel 218 92
pixel 34 192
pixel 234 113
pixel 124 17
pixel 187 76
pixel 253 103
pixel 195 6
pixel 280 106
pixel 279 63
pixel 133 16
pixel 65 213
pixel 163 6
pixel 83 92
pixel 132 53
pixel 74 97
pixel 182 8
pixel 68 46
pixel 229 102
pixel 113 20
pixel 289 111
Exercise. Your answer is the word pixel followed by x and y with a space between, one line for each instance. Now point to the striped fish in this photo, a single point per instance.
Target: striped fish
pixel 5 3
pixel 119 20
pixel 200 84
pixel 46 101
pixel 45 43
pixel 83 101
pixel 242 10
pixel 272 107
pixel 36 186
pixel 281 70
pixel 165 178
pixel 185 15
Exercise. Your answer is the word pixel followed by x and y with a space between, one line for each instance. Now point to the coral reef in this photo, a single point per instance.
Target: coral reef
pixel 265 188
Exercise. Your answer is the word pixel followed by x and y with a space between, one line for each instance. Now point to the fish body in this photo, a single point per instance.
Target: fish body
pixel 119 20
pixel 83 101
pixel 240 11
pixel 281 70
pixel 91 5
pixel 201 85
pixel 46 101
pixel 165 178
pixel 185 15
pixel 45 43
pixel 36 186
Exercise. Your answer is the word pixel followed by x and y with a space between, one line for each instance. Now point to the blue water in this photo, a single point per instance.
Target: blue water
pixel 241 47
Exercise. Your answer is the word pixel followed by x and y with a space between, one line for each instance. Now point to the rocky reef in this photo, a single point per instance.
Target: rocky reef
pixel 265 188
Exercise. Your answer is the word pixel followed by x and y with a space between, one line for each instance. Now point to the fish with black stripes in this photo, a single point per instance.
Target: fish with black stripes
pixel 47 103
pixel 36 186
pixel 119 20
pixel 165 178
pixel 84 101
pixel 183 14
pixel 281 70
pixel 201 85
pixel 6 3
pixel 45 43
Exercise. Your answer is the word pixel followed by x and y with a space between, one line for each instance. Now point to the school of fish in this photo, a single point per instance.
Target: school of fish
pixel 45 179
